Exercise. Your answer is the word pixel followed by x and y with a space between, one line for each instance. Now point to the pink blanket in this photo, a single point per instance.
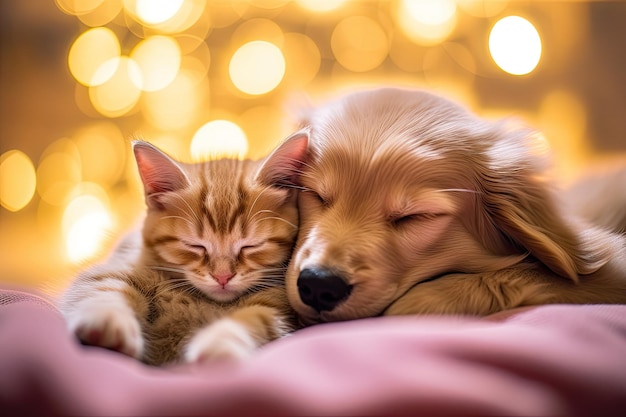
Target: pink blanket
pixel 551 360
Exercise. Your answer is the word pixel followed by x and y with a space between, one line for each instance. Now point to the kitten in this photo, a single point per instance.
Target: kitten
pixel 205 279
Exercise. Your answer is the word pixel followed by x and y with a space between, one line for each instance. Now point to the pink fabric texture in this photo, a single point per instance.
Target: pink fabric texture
pixel 557 360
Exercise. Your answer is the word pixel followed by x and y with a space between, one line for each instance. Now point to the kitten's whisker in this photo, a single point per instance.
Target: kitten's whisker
pixel 191 213
pixel 176 271
pixel 180 218
pixel 270 273
pixel 172 286
pixel 261 212
pixel 167 269
pixel 185 285
pixel 270 270
pixel 187 213
pixel 263 287
pixel 278 218
pixel 256 199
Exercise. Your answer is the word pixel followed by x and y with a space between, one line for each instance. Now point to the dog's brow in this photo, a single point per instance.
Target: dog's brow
pixel 423 201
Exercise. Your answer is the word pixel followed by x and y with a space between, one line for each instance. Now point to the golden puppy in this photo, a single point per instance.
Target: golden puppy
pixel 410 204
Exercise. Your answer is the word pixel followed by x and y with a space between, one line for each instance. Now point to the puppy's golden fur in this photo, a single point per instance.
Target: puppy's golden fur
pixel 421 207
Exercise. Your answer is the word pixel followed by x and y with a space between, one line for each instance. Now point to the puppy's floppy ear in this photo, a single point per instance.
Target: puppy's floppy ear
pixel 518 199
pixel 283 165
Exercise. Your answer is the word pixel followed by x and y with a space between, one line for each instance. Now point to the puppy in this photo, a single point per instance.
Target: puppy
pixel 412 205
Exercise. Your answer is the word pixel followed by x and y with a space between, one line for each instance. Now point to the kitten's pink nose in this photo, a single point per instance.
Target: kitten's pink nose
pixel 223 278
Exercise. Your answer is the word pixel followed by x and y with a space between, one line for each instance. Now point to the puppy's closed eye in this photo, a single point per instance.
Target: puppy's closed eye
pixel 408 219
pixel 318 197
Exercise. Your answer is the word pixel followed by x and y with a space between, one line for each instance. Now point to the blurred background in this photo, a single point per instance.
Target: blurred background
pixel 80 78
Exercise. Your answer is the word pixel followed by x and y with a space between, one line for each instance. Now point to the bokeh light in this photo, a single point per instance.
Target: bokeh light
pixel 426 22
pixel 482 8
pixel 86 222
pixel 17 180
pixel 359 43
pixel 118 95
pixel 102 151
pixel 264 127
pixel 217 139
pixel 101 15
pixel 165 16
pixel 258 29
pixel 451 69
pixel 158 58
pixel 189 43
pixel 268 4
pixel 78 8
pixel 223 13
pixel 154 12
pixel 188 95
pixel 257 67
pixel 168 143
pixel 563 120
pixel 57 174
pixel 90 53
pixel 321 5
pixel 515 45
pixel 303 59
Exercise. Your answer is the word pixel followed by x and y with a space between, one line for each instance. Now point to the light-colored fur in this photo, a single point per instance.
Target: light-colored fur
pixel 600 196
pixel 422 207
pixel 204 279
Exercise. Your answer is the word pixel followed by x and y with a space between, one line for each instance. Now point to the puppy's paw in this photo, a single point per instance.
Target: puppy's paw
pixel 224 340
pixel 108 325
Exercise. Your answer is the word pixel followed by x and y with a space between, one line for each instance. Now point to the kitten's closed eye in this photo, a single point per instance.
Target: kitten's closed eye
pixel 250 247
pixel 195 247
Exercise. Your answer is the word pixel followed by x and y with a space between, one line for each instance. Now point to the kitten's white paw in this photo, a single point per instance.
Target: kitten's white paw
pixel 225 339
pixel 108 325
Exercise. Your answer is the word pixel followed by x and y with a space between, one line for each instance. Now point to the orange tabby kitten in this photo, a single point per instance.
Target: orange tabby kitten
pixel 206 278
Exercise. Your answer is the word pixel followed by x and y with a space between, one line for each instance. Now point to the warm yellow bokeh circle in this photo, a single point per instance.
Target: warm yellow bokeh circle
pixel 515 45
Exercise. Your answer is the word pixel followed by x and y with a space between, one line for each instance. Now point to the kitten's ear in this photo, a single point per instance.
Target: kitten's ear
pixel 159 173
pixel 283 165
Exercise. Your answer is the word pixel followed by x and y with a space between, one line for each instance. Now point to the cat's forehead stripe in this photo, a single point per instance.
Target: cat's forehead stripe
pixel 239 209
pixel 161 240
pixel 205 213
pixel 224 204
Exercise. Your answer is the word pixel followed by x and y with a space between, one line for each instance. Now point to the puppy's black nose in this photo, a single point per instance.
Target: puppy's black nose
pixel 322 289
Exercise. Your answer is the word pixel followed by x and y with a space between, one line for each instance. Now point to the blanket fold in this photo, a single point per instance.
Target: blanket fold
pixel 561 360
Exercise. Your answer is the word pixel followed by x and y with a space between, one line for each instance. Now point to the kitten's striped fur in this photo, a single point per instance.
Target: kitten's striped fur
pixel 205 278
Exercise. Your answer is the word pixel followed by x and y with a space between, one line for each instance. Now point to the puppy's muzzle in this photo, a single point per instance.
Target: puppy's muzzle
pixel 322 288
